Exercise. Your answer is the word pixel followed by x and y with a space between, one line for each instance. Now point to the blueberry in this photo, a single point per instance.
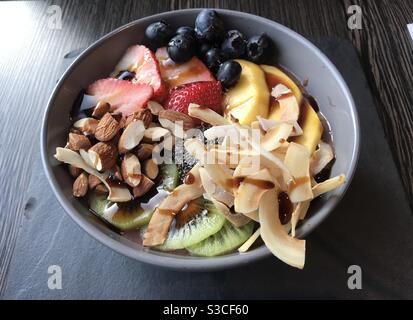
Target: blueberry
pixel 228 73
pixel 181 48
pixel 186 31
pixel 234 45
pixel 159 33
pixel 258 48
pixel 125 75
pixel 203 49
pixel 209 26
pixel 213 58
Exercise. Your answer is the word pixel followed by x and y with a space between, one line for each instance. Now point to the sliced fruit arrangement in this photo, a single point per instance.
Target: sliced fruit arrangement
pixel 198 143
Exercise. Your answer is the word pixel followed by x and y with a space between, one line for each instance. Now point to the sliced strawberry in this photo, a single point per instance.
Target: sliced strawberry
pixel 123 96
pixel 142 61
pixel 204 93
pixel 177 74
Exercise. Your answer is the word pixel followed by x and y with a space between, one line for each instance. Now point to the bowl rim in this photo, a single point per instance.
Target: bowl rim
pixel 176 262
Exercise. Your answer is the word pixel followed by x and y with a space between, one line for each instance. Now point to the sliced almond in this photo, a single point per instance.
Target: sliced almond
pixel 78 141
pixel 80 186
pixel 131 136
pixel 144 151
pixel 178 118
pixel 131 170
pixel 100 110
pixel 74 172
pixel 86 125
pixel 150 169
pixel 143 187
pixel 155 107
pixel 155 134
pixel 144 115
pixel 107 128
pixel 103 156
pixel 93 181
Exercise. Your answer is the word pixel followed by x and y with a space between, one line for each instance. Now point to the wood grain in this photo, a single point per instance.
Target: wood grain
pixel 30 65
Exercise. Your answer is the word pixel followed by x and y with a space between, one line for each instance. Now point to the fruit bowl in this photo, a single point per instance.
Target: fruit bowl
pixel 293 52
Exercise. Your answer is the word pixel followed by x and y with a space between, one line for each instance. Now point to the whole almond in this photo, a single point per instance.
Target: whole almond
pixel 143 114
pixel 93 181
pixel 74 171
pixel 101 189
pixel 107 128
pixel 101 109
pixel 78 141
pixel 103 155
pixel 144 151
pixel 80 186
pixel 143 187
pixel 177 118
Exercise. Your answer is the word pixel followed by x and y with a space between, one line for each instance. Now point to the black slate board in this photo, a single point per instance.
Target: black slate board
pixel 370 228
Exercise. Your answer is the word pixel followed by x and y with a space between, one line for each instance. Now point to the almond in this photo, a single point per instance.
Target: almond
pixel 155 107
pixel 80 186
pixel 144 151
pixel 93 181
pixel 131 170
pixel 117 172
pixel 143 114
pixel 74 171
pixel 78 141
pixel 155 134
pixel 150 169
pixel 178 118
pixel 107 128
pixel 131 136
pixel 101 189
pixel 86 125
pixel 101 109
pixel 143 187
pixel 103 156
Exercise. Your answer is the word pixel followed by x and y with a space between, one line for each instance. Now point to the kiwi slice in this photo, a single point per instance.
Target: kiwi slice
pixel 129 216
pixel 199 220
pixel 227 239
pixel 169 176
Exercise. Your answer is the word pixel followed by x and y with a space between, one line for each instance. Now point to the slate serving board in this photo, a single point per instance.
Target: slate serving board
pixel 372 228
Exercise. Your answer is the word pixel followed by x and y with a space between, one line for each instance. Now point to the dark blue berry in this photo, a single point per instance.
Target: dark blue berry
pixel 186 31
pixel 229 73
pixel 125 75
pixel 234 45
pixel 258 48
pixel 213 58
pixel 209 26
pixel 181 48
pixel 203 49
pixel 159 33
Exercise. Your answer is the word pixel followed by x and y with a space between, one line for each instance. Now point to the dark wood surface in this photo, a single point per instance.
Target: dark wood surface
pixel 31 63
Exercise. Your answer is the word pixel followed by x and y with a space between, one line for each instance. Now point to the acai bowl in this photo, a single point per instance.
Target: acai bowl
pixel 125 99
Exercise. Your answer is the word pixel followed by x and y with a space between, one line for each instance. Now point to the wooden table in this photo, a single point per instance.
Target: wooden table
pixel 31 61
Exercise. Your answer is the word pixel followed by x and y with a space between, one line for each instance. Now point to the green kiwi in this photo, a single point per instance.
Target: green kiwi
pixel 129 216
pixel 227 239
pixel 199 220
pixel 169 176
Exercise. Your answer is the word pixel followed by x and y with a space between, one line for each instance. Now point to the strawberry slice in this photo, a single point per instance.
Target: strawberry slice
pixel 123 96
pixel 204 93
pixel 142 61
pixel 177 74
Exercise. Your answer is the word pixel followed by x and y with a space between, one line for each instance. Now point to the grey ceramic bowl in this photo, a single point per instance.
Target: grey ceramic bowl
pixel 294 52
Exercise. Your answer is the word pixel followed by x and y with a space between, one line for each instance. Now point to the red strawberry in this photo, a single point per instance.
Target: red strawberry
pixel 123 96
pixel 204 93
pixel 176 74
pixel 142 61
